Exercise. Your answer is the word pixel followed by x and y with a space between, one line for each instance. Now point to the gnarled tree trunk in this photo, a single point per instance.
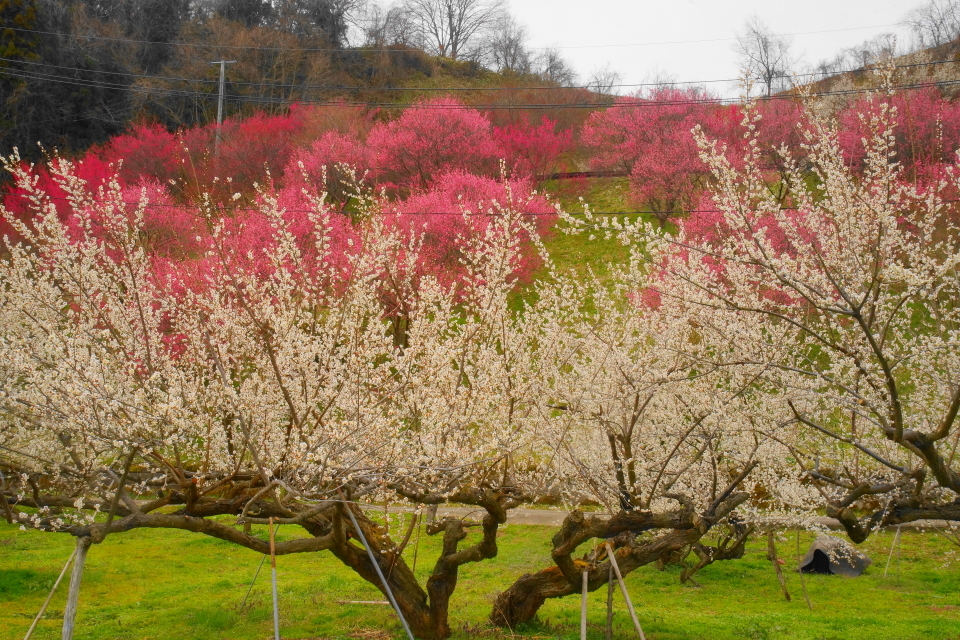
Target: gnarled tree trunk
pixel 523 599
pixel 426 609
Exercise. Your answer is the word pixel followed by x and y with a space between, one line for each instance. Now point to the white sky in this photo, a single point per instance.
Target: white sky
pixel 584 32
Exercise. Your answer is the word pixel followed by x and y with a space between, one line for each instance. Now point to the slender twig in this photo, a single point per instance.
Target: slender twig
pixel 119 493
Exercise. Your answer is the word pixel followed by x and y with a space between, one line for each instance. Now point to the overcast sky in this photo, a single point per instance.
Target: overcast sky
pixel 623 34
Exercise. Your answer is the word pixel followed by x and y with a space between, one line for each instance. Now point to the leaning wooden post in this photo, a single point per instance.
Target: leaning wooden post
pixel 50 596
pixel 803 582
pixel 896 538
pixel 583 606
pixel 376 567
pixel 252 582
pixel 772 555
pixel 608 634
pixel 623 590
pixel 73 595
pixel 273 572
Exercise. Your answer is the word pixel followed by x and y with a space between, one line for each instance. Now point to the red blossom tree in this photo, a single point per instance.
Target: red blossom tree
pixel 146 151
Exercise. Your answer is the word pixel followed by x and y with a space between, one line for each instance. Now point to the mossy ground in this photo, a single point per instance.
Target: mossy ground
pixel 171 585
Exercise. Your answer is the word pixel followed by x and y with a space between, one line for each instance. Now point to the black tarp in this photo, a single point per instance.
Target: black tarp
pixel 833 555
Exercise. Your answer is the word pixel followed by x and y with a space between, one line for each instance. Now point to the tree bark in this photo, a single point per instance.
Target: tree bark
pixel 425 610
pixel 859 529
pixel 7 511
pixel 521 601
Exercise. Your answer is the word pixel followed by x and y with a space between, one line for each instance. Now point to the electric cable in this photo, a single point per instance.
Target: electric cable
pixel 238 98
pixel 795 76
pixel 396 50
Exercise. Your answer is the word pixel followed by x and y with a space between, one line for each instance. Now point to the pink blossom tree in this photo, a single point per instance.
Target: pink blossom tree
pixel 334 163
pixel 533 151
pixel 649 137
pixel 926 128
pixel 433 137
pixel 459 205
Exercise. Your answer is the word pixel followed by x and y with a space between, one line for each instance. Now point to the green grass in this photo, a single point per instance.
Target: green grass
pixel 578 253
pixel 162 585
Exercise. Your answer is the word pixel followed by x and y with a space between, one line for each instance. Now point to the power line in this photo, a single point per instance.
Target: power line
pixel 431 213
pixel 396 50
pixel 493 106
pixel 672 42
pixel 458 88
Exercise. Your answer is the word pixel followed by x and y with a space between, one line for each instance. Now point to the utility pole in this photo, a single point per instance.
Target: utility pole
pixel 223 81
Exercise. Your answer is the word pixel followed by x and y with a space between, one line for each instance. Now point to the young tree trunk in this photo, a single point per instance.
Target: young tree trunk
pixel 7 511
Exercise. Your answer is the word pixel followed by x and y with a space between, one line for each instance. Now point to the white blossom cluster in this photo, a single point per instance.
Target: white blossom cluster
pixel 816 341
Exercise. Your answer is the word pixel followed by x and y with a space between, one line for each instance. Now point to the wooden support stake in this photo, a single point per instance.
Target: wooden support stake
pixel 583 606
pixel 50 597
pixel 896 539
pixel 73 595
pixel 608 633
pixel 376 566
pixel 623 590
pixel 803 581
pixel 772 555
pixel 899 555
pixel 273 572
pixel 252 582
